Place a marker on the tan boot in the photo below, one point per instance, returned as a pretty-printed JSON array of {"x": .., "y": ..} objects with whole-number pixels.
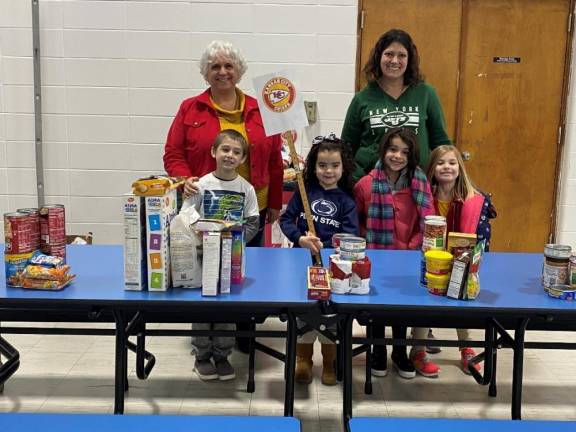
[
  {"x": 304, "y": 363},
  {"x": 328, "y": 360}
]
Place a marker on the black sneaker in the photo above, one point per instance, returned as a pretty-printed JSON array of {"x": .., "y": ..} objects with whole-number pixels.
[
  {"x": 225, "y": 370},
  {"x": 205, "y": 370},
  {"x": 403, "y": 365},
  {"x": 379, "y": 366},
  {"x": 432, "y": 349}
]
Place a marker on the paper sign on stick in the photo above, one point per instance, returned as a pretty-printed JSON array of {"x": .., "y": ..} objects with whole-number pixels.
[{"x": 281, "y": 105}]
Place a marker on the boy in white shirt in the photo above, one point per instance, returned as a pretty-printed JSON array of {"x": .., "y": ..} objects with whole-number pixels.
[{"x": 225, "y": 195}]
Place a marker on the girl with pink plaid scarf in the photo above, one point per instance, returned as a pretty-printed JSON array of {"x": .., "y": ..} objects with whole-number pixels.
[{"x": 393, "y": 200}]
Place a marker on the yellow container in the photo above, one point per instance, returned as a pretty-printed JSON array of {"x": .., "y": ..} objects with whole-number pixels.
[
  {"x": 438, "y": 262},
  {"x": 437, "y": 284}
]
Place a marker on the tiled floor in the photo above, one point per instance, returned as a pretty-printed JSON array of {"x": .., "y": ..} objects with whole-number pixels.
[{"x": 75, "y": 374}]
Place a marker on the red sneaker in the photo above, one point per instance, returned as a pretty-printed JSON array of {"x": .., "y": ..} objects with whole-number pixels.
[
  {"x": 467, "y": 354},
  {"x": 423, "y": 365}
]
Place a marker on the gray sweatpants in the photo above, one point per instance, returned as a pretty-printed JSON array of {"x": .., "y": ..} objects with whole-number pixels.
[{"x": 218, "y": 347}]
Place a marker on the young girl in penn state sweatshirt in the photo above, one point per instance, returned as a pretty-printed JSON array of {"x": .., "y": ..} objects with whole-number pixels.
[{"x": 327, "y": 176}]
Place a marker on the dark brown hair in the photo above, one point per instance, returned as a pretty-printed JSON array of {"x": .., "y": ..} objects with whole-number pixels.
[
  {"x": 330, "y": 143},
  {"x": 409, "y": 138},
  {"x": 372, "y": 69}
]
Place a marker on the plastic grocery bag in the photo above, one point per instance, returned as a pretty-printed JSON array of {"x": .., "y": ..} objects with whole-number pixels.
[{"x": 185, "y": 250}]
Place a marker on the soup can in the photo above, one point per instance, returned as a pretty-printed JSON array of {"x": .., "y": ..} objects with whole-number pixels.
[
  {"x": 352, "y": 248},
  {"x": 34, "y": 219},
  {"x": 423, "y": 281},
  {"x": 434, "y": 237},
  {"x": 562, "y": 292},
  {"x": 52, "y": 226},
  {"x": 57, "y": 251},
  {"x": 17, "y": 233},
  {"x": 337, "y": 239}
]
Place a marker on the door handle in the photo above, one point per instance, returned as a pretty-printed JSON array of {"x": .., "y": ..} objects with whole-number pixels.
[{"x": 466, "y": 155}]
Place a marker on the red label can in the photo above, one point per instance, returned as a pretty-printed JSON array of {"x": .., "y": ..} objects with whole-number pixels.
[
  {"x": 17, "y": 233},
  {"x": 34, "y": 220},
  {"x": 52, "y": 226},
  {"x": 56, "y": 250}
]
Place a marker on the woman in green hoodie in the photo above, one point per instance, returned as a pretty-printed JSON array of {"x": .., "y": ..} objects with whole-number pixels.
[{"x": 395, "y": 96}]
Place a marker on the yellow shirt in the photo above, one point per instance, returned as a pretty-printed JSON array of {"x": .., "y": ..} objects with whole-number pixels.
[
  {"x": 443, "y": 207},
  {"x": 232, "y": 119}
]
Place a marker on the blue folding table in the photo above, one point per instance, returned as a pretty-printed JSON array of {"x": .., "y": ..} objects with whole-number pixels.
[
  {"x": 373, "y": 424},
  {"x": 275, "y": 285},
  {"x": 145, "y": 423},
  {"x": 511, "y": 297}
]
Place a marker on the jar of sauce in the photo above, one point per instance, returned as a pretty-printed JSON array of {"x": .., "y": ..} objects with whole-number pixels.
[{"x": 556, "y": 269}]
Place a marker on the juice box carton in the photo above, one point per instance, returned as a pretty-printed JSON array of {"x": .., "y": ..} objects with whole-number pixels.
[{"x": 238, "y": 257}]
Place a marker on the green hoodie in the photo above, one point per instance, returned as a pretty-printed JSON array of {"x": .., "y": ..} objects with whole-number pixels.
[{"x": 373, "y": 112}]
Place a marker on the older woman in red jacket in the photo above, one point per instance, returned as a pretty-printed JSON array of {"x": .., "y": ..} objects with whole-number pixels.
[{"x": 224, "y": 106}]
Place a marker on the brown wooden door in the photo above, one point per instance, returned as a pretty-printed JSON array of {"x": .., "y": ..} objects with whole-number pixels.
[
  {"x": 435, "y": 29},
  {"x": 504, "y": 115},
  {"x": 510, "y": 112}
]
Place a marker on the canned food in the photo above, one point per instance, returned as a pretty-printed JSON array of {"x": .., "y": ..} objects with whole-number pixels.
[
  {"x": 52, "y": 226},
  {"x": 352, "y": 248},
  {"x": 34, "y": 220},
  {"x": 437, "y": 283},
  {"x": 562, "y": 292},
  {"x": 434, "y": 237},
  {"x": 557, "y": 251},
  {"x": 17, "y": 233},
  {"x": 15, "y": 265},
  {"x": 556, "y": 268},
  {"x": 423, "y": 270},
  {"x": 337, "y": 239},
  {"x": 57, "y": 251},
  {"x": 438, "y": 262}
]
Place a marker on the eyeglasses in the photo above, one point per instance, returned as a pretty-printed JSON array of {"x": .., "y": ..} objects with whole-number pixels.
[{"x": 330, "y": 138}]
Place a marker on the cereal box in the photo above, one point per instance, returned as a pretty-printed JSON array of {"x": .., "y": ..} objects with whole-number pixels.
[
  {"x": 160, "y": 210},
  {"x": 135, "y": 260},
  {"x": 211, "y": 263}
]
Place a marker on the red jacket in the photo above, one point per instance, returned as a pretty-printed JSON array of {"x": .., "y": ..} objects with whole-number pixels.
[
  {"x": 187, "y": 150},
  {"x": 407, "y": 234},
  {"x": 463, "y": 216}
]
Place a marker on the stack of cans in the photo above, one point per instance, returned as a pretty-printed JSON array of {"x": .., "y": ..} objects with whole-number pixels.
[
  {"x": 28, "y": 230},
  {"x": 53, "y": 230},
  {"x": 434, "y": 238},
  {"x": 18, "y": 245}
]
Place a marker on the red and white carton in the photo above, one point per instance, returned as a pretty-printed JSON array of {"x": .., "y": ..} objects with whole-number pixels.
[{"x": 350, "y": 277}]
